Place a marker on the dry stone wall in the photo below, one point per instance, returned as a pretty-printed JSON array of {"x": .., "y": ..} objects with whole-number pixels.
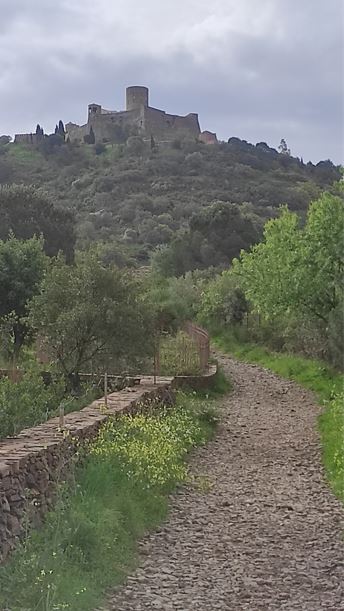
[
  {"x": 35, "y": 462},
  {"x": 38, "y": 459}
]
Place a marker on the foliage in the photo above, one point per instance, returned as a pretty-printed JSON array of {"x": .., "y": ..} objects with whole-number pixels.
[
  {"x": 22, "y": 267},
  {"x": 283, "y": 148},
  {"x": 149, "y": 450},
  {"x": 27, "y": 402},
  {"x": 179, "y": 355},
  {"x": 28, "y": 212},
  {"x": 135, "y": 145},
  {"x": 335, "y": 332},
  {"x": 298, "y": 271},
  {"x": 90, "y": 138},
  {"x": 217, "y": 234},
  {"x": 223, "y": 301},
  {"x": 332, "y": 431},
  {"x": 143, "y": 184},
  {"x": 175, "y": 300},
  {"x": 313, "y": 374},
  {"x": 88, "y": 543},
  {"x": 90, "y": 313}
]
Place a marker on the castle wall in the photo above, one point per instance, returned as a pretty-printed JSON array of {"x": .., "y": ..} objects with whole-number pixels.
[
  {"x": 105, "y": 126},
  {"x": 75, "y": 133},
  {"x": 146, "y": 120},
  {"x": 208, "y": 137},
  {"x": 159, "y": 124},
  {"x": 27, "y": 138}
]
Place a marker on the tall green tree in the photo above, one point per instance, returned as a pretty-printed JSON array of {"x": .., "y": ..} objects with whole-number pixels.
[
  {"x": 223, "y": 301},
  {"x": 90, "y": 312},
  {"x": 298, "y": 270},
  {"x": 26, "y": 212},
  {"x": 217, "y": 234},
  {"x": 22, "y": 268}
]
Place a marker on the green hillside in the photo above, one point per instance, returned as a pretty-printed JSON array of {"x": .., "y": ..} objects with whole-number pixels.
[{"x": 137, "y": 197}]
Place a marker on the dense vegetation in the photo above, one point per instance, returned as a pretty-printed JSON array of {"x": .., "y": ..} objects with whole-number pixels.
[
  {"x": 120, "y": 490},
  {"x": 76, "y": 280},
  {"x": 137, "y": 198}
]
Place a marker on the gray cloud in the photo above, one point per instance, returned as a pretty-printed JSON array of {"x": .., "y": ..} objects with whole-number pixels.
[{"x": 258, "y": 70}]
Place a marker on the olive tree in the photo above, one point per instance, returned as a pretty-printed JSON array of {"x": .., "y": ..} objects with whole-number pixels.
[{"x": 90, "y": 312}]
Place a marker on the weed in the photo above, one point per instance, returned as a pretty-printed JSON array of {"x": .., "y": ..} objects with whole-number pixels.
[{"x": 119, "y": 492}]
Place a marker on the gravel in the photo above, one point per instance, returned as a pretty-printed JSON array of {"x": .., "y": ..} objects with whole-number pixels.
[{"x": 262, "y": 530}]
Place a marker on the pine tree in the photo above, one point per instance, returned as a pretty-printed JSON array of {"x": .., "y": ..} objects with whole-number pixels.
[
  {"x": 92, "y": 137},
  {"x": 283, "y": 148},
  {"x": 61, "y": 128}
]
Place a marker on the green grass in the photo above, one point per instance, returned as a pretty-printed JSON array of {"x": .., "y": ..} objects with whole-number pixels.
[
  {"x": 325, "y": 382},
  {"x": 179, "y": 355},
  {"x": 220, "y": 386},
  {"x": 25, "y": 153},
  {"x": 89, "y": 541}
]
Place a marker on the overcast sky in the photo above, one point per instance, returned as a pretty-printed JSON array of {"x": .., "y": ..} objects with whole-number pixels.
[{"x": 256, "y": 69}]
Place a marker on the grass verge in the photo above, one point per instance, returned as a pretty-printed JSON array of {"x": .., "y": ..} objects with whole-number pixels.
[
  {"x": 88, "y": 543},
  {"x": 317, "y": 376}
]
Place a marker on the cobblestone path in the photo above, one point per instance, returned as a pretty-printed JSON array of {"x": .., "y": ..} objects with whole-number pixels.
[{"x": 268, "y": 534}]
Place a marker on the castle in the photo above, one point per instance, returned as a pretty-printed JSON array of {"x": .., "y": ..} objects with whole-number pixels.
[{"x": 138, "y": 118}]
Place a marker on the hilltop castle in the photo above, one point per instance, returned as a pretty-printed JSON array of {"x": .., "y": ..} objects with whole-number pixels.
[{"x": 138, "y": 118}]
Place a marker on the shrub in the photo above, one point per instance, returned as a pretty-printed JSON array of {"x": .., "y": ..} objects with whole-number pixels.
[
  {"x": 179, "y": 355},
  {"x": 150, "y": 449},
  {"x": 27, "y": 402}
]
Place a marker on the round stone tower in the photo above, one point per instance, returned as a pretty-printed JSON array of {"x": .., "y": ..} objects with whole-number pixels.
[{"x": 136, "y": 97}]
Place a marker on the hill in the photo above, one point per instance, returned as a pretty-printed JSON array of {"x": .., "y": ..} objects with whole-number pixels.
[{"x": 138, "y": 197}]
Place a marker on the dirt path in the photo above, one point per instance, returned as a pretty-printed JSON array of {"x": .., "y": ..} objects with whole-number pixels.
[{"x": 268, "y": 534}]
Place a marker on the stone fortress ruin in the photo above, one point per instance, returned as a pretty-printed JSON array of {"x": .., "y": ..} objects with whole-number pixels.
[
  {"x": 110, "y": 126},
  {"x": 138, "y": 118}
]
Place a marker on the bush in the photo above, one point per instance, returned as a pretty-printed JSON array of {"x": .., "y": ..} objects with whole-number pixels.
[
  {"x": 27, "y": 402},
  {"x": 223, "y": 301},
  {"x": 179, "y": 356}
]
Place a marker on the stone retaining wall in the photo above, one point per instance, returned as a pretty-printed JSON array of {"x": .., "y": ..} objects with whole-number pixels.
[
  {"x": 34, "y": 462},
  {"x": 39, "y": 458}
]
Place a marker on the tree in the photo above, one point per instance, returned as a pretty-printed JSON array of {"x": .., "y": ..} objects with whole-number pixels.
[
  {"x": 283, "y": 148},
  {"x": 39, "y": 131},
  {"x": 61, "y": 128},
  {"x": 298, "y": 271},
  {"x": 217, "y": 234},
  {"x": 174, "y": 300},
  {"x": 135, "y": 145},
  {"x": 90, "y": 312},
  {"x": 223, "y": 301},
  {"x": 92, "y": 136},
  {"x": 26, "y": 212},
  {"x": 22, "y": 267}
]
